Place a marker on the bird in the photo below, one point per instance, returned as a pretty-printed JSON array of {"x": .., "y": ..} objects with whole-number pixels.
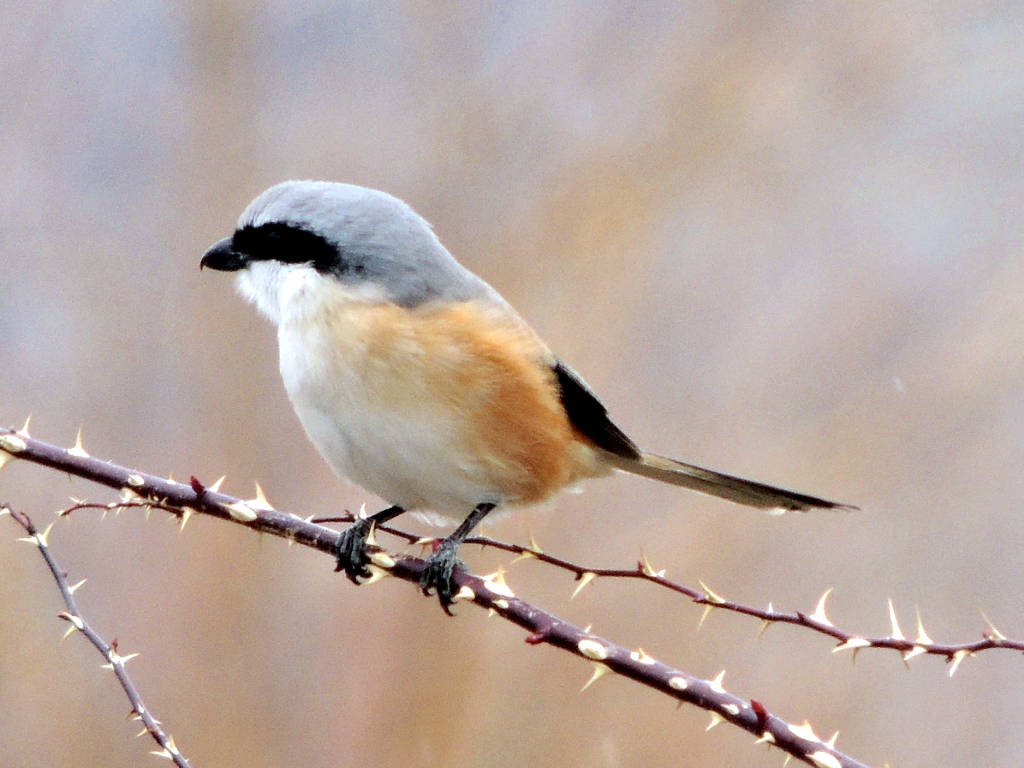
[{"x": 418, "y": 381}]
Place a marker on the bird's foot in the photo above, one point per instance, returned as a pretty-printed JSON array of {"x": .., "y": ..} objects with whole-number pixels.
[
  {"x": 437, "y": 573},
  {"x": 351, "y": 550}
]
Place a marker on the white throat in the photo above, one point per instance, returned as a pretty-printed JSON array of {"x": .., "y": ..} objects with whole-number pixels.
[
  {"x": 263, "y": 283},
  {"x": 285, "y": 292}
]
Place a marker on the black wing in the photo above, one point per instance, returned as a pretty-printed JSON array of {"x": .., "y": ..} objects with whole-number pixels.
[{"x": 589, "y": 416}]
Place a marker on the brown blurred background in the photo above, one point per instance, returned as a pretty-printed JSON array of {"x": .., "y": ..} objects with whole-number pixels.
[{"x": 781, "y": 239}]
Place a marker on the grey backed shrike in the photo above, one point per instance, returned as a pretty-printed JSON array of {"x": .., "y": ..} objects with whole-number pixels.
[{"x": 416, "y": 380}]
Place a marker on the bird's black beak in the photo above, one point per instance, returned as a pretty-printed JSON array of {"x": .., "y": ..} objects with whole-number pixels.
[{"x": 223, "y": 256}]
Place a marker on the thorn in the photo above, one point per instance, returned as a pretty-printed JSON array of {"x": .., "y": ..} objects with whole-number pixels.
[
  {"x": 819, "y": 614},
  {"x": 957, "y": 657},
  {"x": 804, "y": 731},
  {"x": 585, "y": 578},
  {"x": 715, "y": 720},
  {"x": 716, "y": 684},
  {"x": 831, "y": 743},
  {"x": 376, "y": 574},
  {"x": 24, "y": 430},
  {"x": 136, "y": 480},
  {"x": 127, "y": 496},
  {"x": 495, "y": 584},
  {"x": 710, "y": 596},
  {"x": 897, "y": 633},
  {"x": 765, "y": 623},
  {"x": 77, "y": 449},
  {"x": 115, "y": 658},
  {"x": 186, "y": 515},
  {"x": 41, "y": 538},
  {"x": 853, "y": 643},
  {"x": 524, "y": 555},
  {"x": 922, "y": 636},
  {"x": 917, "y": 650},
  {"x": 382, "y": 559},
  {"x": 992, "y": 633},
  {"x": 74, "y": 587},
  {"x": 464, "y": 593},
  {"x": 704, "y": 614},
  {"x": 785, "y": 762},
  {"x": 216, "y": 486},
  {"x": 75, "y": 621},
  {"x": 600, "y": 670},
  {"x": 648, "y": 569},
  {"x": 260, "y": 502},
  {"x": 534, "y": 545}
]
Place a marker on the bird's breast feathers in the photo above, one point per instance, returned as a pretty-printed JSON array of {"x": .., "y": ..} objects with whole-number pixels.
[{"x": 438, "y": 407}]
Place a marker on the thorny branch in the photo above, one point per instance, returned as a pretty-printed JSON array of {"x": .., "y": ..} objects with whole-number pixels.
[
  {"x": 139, "y": 489},
  {"x": 816, "y": 621},
  {"x": 115, "y": 661}
]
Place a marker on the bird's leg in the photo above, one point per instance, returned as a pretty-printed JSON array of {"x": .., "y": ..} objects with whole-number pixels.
[
  {"x": 437, "y": 572},
  {"x": 351, "y": 549}
]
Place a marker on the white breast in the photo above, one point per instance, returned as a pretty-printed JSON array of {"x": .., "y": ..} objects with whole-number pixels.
[{"x": 368, "y": 416}]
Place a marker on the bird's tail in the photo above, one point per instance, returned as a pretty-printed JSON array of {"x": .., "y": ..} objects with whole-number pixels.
[{"x": 708, "y": 481}]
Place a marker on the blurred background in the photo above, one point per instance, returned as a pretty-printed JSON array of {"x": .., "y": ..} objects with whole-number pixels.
[{"x": 780, "y": 239}]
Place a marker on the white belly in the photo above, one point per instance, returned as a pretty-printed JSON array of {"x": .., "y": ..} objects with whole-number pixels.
[{"x": 375, "y": 423}]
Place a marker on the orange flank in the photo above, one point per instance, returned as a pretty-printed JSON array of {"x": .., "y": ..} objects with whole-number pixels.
[{"x": 491, "y": 375}]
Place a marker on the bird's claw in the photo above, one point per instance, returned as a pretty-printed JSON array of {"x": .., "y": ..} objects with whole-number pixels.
[
  {"x": 351, "y": 550},
  {"x": 437, "y": 574}
]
